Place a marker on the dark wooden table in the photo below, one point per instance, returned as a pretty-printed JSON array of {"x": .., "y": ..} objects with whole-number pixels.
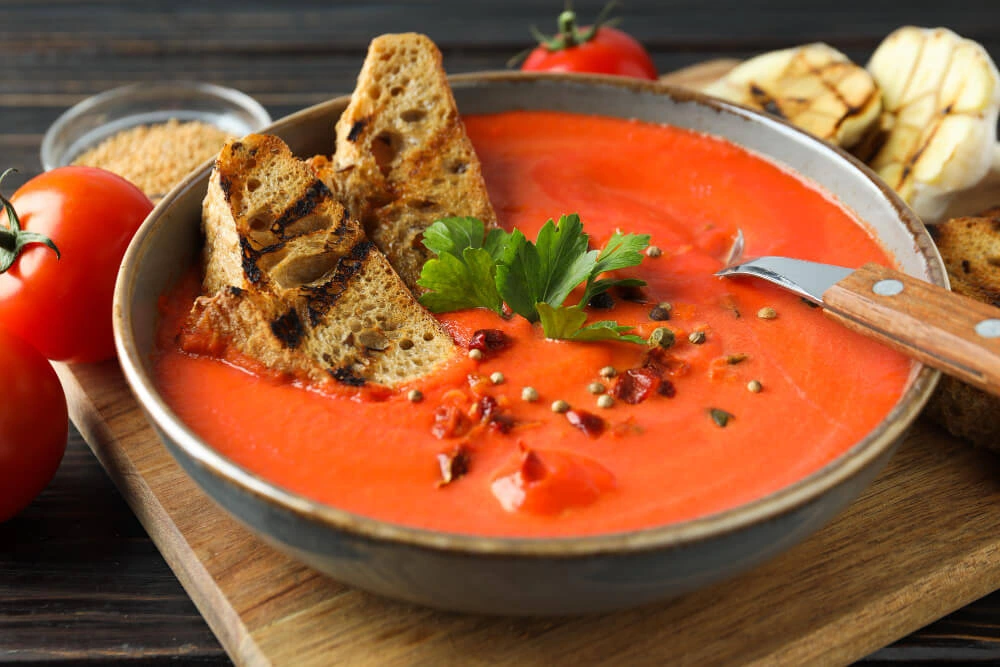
[{"x": 80, "y": 582}]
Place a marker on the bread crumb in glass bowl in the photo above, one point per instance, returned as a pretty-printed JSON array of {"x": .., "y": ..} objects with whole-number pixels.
[
  {"x": 156, "y": 157},
  {"x": 153, "y": 134}
]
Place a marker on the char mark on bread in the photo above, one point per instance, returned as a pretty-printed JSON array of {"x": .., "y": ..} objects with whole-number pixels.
[
  {"x": 288, "y": 329},
  {"x": 292, "y": 282}
]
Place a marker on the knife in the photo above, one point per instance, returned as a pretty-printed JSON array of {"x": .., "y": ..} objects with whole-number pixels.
[{"x": 953, "y": 333}]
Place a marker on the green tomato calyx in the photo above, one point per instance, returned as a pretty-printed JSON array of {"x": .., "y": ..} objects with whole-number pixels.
[
  {"x": 13, "y": 239},
  {"x": 570, "y": 34}
]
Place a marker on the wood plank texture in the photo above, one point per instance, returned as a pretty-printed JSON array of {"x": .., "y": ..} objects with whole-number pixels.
[
  {"x": 79, "y": 579},
  {"x": 80, "y": 583},
  {"x": 921, "y": 542}
]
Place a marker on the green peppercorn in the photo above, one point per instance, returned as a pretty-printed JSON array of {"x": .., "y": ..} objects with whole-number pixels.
[
  {"x": 660, "y": 312},
  {"x": 661, "y": 337}
]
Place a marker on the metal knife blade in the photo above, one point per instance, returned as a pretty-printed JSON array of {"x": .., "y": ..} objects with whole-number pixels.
[{"x": 807, "y": 279}]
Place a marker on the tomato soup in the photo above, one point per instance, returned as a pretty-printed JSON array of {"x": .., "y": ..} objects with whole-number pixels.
[{"x": 747, "y": 400}]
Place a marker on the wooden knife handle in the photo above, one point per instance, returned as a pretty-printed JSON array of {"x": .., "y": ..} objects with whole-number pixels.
[{"x": 955, "y": 334}]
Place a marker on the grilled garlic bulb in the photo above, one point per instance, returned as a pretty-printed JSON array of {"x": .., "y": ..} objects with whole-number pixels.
[
  {"x": 940, "y": 96},
  {"x": 815, "y": 87}
]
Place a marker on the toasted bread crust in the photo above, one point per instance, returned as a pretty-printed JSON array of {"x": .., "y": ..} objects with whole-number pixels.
[
  {"x": 402, "y": 155},
  {"x": 292, "y": 282},
  {"x": 970, "y": 248}
]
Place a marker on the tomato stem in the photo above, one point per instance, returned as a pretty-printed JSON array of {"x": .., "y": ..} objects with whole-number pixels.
[
  {"x": 567, "y": 28},
  {"x": 570, "y": 34},
  {"x": 13, "y": 239}
]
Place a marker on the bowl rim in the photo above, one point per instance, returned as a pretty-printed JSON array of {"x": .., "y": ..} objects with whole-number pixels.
[
  {"x": 237, "y": 98},
  {"x": 761, "y": 510}
]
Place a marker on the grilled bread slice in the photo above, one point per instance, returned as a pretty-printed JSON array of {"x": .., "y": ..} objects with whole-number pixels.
[
  {"x": 402, "y": 154},
  {"x": 970, "y": 247},
  {"x": 292, "y": 282}
]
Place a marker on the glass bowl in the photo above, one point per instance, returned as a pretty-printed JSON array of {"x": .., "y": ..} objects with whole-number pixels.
[{"x": 96, "y": 118}]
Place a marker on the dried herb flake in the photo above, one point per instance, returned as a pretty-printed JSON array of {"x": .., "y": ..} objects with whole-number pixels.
[{"x": 720, "y": 417}]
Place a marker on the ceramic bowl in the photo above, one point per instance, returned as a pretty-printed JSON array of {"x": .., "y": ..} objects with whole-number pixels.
[{"x": 547, "y": 575}]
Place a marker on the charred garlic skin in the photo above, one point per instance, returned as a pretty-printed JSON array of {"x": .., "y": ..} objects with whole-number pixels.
[
  {"x": 814, "y": 87},
  {"x": 937, "y": 130}
]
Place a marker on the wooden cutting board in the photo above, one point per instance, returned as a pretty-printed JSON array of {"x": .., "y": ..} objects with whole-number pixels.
[{"x": 922, "y": 541}]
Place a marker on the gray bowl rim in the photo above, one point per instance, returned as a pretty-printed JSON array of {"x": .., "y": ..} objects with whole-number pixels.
[
  {"x": 767, "y": 508},
  {"x": 236, "y": 97}
]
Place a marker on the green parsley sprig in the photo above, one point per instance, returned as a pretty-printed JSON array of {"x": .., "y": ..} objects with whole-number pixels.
[{"x": 473, "y": 269}]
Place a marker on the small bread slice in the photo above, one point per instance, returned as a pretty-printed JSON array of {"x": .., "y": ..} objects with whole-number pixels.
[
  {"x": 402, "y": 153},
  {"x": 970, "y": 247},
  {"x": 293, "y": 283}
]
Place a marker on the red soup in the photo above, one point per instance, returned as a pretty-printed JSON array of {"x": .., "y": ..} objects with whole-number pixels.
[{"x": 683, "y": 439}]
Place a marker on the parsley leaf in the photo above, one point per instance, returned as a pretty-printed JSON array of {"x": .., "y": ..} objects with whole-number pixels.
[
  {"x": 620, "y": 252},
  {"x": 454, "y": 235},
  {"x": 463, "y": 275},
  {"x": 565, "y": 261},
  {"x": 516, "y": 272},
  {"x": 566, "y": 322},
  {"x": 474, "y": 268},
  {"x": 547, "y": 270},
  {"x": 558, "y": 261}
]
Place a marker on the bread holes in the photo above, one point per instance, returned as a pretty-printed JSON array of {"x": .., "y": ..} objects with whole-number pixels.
[
  {"x": 260, "y": 223},
  {"x": 259, "y": 229},
  {"x": 421, "y": 204},
  {"x": 396, "y": 91},
  {"x": 385, "y": 149},
  {"x": 252, "y": 184},
  {"x": 374, "y": 92},
  {"x": 373, "y": 339},
  {"x": 296, "y": 271},
  {"x": 305, "y": 225},
  {"x": 458, "y": 167},
  {"x": 413, "y": 115},
  {"x": 428, "y": 336}
]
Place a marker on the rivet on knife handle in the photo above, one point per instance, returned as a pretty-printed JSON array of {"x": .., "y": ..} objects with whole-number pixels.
[{"x": 956, "y": 334}]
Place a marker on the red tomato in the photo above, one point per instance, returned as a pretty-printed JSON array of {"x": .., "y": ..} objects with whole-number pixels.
[
  {"x": 33, "y": 424},
  {"x": 598, "y": 49},
  {"x": 62, "y": 305}
]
